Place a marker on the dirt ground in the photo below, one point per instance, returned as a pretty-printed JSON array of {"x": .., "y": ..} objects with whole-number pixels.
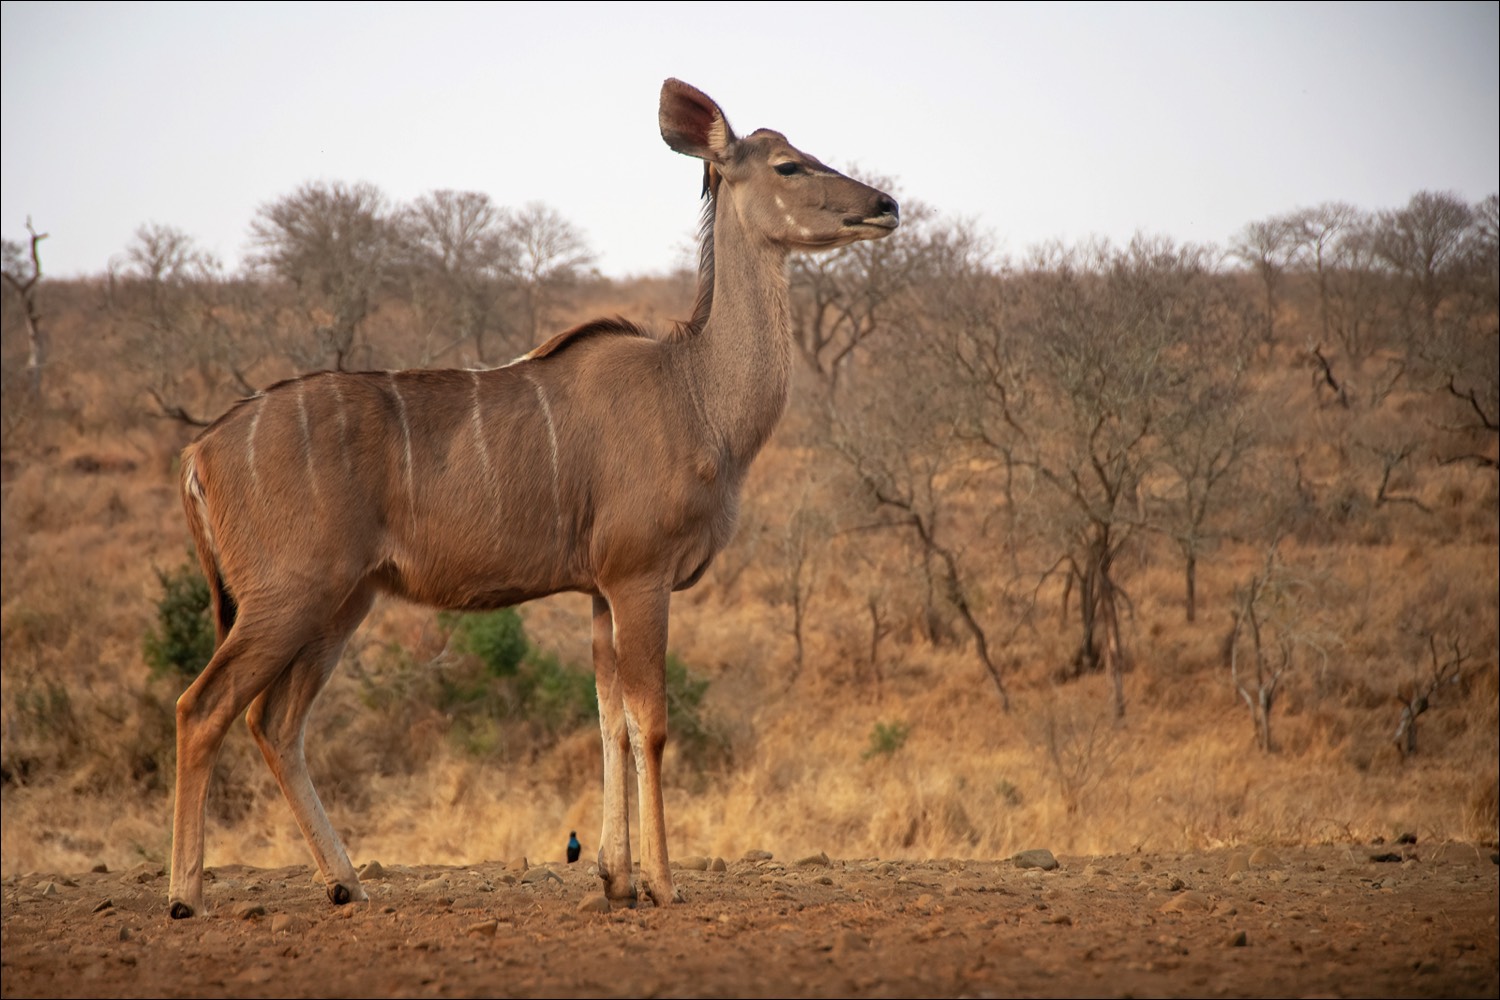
[{"x": 1289, "y": 922}]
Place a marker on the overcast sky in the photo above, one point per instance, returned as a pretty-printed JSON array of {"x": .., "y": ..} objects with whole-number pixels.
[{"x": 1035, "y": 122}]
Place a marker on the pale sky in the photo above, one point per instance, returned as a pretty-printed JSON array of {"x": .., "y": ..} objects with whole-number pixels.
[{"x": 1035, "y": 122}]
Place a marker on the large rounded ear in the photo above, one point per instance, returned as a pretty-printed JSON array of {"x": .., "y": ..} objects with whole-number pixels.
[{"x": 692, "y": 123}]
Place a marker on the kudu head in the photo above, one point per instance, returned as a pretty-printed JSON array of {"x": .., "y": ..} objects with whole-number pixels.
[{"x": 778, "y": 192}]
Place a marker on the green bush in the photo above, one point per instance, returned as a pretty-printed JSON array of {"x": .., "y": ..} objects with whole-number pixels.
[
  {"x": 886, "y": 739},
  {"x": 701, "y": 742},
  {"x": 497, "y": 637},
  {"x": 182, "y": 641}
]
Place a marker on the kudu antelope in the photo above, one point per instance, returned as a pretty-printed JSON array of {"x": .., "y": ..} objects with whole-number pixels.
[{"x": 607, "y": 461}]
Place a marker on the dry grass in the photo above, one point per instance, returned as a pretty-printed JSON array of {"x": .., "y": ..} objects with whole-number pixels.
[{"x": 90, "y": 512}]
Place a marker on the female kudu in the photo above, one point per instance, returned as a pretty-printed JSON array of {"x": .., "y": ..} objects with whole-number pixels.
[{"x": 607, "y": 461}]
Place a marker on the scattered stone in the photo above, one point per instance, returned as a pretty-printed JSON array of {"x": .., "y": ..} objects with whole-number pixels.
[
  {"x": 285, "y": 923},
  {"x": 1264, "y": 857},
  {"x": 372, "y": 871},
  {"x": 1061, "y": 919},
  {"x": 249, "y": 911},
  {"x": 1237, "y": 863},
  {"x": 691, "y": 864},
  {"x": 50, "y": 890},
  {"x": 1139, "y": 865},
  {"x": 1187, "y": 902},
  {"x": 100, "y": 869},
  {"x": 814, "y": 860},
  {"x": 756, "y": 856},
  {"x": 540, "y": 873},
  {"x": 1237, "y": 940},
  {"x": 1386, "y": 858},
  {"x": 103, "y": 905},
  {"x": 1036, "y": 858},
  {"x": 594, "y": 902},
  {"x": 718, "y": 866},
  {"x": 484, "y": 928}
]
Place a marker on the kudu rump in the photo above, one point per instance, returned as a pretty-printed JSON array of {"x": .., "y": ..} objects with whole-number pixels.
[{"x": 608, "y": 461}]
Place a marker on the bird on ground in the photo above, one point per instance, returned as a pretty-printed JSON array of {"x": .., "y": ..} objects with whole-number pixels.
[{"x": 574, "y": 847}]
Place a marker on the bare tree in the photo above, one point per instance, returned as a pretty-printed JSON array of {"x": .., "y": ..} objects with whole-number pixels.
[
  {"x": 1318, "y": 232},
  {"x": 552, "y": 255},
  {"x": 333, "y": 242},
  {"x": 168, "y": 297},
  {"x": 1269, "y": 247},
  {"x": 1094, "y": 360},
  {"x": 21, "y": 271},
  {"x": 462, "y": 259},
  {"x": 1425, "y": 243},
  {"x": 898, "y": 437},
  {"x": 1276, "y": 626},
  {"x": 1444, "y": 668}
]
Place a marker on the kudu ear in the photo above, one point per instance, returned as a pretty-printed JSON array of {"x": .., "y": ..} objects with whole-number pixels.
[{"x": 692, "y": 123}]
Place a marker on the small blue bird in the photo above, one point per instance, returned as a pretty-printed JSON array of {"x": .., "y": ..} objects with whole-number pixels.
[{"x": 574, "y": 847}]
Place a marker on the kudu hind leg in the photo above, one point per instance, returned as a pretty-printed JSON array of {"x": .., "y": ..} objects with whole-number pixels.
[
  {"x": 278, "y": 721},
  {"x": 248, "y": 659}
]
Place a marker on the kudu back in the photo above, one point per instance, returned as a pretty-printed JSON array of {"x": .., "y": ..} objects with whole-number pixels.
[{"x": 608, "y": 462}]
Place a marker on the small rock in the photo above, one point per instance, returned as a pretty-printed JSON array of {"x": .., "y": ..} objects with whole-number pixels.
[
  {"x": 249, "y": 911},
  {"x": 1036, "y": 858},
  {"x": 594, "y": 902},
  {"x": 484, "y": 928},
  {"x": 1264, "y": 857},
  {"x": 100, "y": 869},
  {"x": 1237, "y": 940},
  {"x": 1187, "y": 902},
  {"x": 372, "y": 871},
  {"x": 539, "y": 874},
  {"x": 50, "y": 890},
  {"x": 691, "y": 864},
  {"x": 285, "y": 923},
  {"x": 1237, "y": 863},
  {"x": 756, "y": 856},
  {"x": 1407, "y": 838},
  {"x": 718, "y": 866},
  {"x": 103, "y": 905},
  {"x": 1386, "y": 858},
  {"x": 814, "y": 860}
]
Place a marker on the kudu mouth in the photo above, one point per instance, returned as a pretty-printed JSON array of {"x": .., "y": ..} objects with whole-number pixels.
[{"x": 887, "y": 217}]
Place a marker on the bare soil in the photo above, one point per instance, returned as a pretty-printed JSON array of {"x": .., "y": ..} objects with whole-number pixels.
[{"x": 1319, "y": 921}]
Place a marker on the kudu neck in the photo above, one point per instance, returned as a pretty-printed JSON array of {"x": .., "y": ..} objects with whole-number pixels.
[{"x": 742, "y": 357}]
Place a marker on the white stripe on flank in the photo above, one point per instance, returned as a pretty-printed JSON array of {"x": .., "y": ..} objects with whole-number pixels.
[
  {"x": 480, "y": 443},
  {"x": 260, "y": 403},
  {"x": 338, "y": 397},
  {"x": 411, "y": 491},
  {"x": 541, "y": 397},
  {"x": 307, "y": 449}
]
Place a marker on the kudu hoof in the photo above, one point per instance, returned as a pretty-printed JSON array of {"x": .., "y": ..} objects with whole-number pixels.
[
  {"x": 340, "y": 894},
  {"x": 180, "y": 910}
]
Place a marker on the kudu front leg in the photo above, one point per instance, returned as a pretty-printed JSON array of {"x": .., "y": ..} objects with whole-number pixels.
[
  {"x": 614, "y": 837},
  {"x": 640, "y": 649}
]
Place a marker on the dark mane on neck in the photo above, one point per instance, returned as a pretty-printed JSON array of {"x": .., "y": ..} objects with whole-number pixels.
[{"x": 704, "y": 302}]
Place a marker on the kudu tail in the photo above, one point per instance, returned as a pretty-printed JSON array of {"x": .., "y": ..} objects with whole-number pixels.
[{"x": 195, "y": 504}]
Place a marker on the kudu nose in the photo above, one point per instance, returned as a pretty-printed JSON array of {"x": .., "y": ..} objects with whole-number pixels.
[{"x": 887, "y": 206}]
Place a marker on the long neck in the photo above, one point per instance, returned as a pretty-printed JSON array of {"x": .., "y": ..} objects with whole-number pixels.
[{"x": 740, "y": 360}]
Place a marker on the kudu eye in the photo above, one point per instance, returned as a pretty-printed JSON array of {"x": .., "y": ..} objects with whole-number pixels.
[{"x": 788, "y": 168}]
